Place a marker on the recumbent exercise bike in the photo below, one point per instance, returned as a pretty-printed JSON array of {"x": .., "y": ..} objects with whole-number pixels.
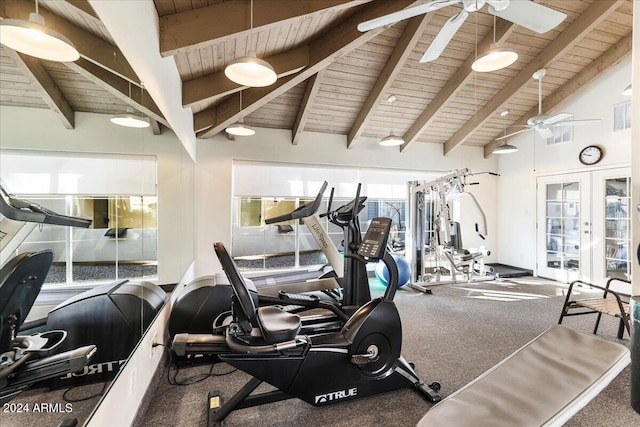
[{"x": 364, "y": 356}]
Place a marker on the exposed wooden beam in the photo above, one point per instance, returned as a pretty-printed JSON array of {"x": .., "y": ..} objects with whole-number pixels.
[
  {"x": 216, "y": 85},
  {"x": 583, "y": 24},
  {"x": 336, "y": 42},
  {"x": 90, "y": 46},
  {"x": 193, "y": 29},
  {"x": 47, "y": 88},
  {"x": 83, "y": 6},
  {"x": 461, "y": 77},
  {"x": 412, "y": 33},
  {"x": 594, "y": 70},
  {"x": 156, "y": 127},
  {"x": 140, "y": 99},
  {"x": 310, "y": 93}
]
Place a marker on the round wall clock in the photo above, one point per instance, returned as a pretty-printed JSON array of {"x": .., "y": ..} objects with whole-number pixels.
[{"x": 591, "y": 155}]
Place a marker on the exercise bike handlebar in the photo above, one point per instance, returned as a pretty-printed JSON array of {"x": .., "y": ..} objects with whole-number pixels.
[{"x": 303, "y": 211}]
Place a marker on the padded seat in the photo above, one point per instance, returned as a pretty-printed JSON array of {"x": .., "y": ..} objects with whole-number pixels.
[
  {"x": 277, "y": 325},
  {"x": 543, "y": 384}
]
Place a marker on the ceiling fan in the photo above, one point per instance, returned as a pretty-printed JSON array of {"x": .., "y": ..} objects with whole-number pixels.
[
  {"x": 541, "y": 122},
  {"x": 525, "y": 13}
]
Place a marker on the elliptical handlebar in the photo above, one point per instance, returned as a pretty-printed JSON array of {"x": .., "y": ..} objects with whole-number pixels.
[
  {"x": 303, "y": 211},
  {"x": 27, "y": 211}
]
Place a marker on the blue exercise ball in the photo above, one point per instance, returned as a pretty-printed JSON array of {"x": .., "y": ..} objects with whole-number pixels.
[{"x": 404, "y": 271}]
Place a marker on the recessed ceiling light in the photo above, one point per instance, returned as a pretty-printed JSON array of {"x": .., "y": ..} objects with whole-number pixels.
[{"x": 504, "y": 113}]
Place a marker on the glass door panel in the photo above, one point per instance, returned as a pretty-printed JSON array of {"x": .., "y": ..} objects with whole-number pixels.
[
  {"x": 562, "y": 243},
  {"x": 617, "y": 236}
]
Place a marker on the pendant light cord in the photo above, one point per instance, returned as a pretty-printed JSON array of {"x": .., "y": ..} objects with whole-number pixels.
[
  {"x": 494, "y": 29},
  {"x": 540, "y": 96}
]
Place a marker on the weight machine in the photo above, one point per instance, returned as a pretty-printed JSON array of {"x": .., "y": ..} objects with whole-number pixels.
[{"x": 434, "y": 242}]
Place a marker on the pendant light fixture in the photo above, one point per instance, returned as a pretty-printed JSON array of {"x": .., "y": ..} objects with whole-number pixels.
[
  {"x": 495, "y": 58},
  {"x": 34, "y": 38},
  {"x": 130, "y": 119},
  {"x": 391, "y": 140},
  {"x": 250, "y": 70},
  {"x": 239, "y": 128},
  {"x": 505, "y": 148},
  {"x": 627, "y": 91}
]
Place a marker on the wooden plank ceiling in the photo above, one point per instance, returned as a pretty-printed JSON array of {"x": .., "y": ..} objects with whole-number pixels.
[
  {"x": 332, "y": 78},
  {"x": 102, "y": 81},
  {"x": 441, "y": 102}
]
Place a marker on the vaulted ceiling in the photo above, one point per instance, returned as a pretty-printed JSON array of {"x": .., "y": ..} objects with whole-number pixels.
[{"x": 332, "y": 77}]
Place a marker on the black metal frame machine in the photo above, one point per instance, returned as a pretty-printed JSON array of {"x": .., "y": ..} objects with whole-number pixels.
[
  {"x": 364, "y": 357},
  {"x": 347, "y": 286}
]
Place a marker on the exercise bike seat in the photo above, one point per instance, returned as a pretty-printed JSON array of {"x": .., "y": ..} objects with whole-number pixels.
[{"x": 277, "y": 325}]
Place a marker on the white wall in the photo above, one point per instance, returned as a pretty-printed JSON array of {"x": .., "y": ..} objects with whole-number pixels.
[
  {"x": 216, "y": 155},
  {"x": 39, "y": 129},
  {"x": 519, "y": 171}
]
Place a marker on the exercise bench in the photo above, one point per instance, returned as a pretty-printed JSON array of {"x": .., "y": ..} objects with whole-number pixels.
[
  {"x": 611, "y": 303},
  {"x": 543, "y": 383}
]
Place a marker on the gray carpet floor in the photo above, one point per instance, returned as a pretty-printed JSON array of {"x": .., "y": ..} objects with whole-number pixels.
[{"x": 452, "y": 337}]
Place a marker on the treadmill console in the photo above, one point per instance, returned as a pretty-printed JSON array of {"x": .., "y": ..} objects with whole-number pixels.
[{"x": 374, "y": 243}]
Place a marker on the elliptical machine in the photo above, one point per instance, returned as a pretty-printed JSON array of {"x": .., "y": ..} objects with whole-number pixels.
[
  {"x": 347, "y": 286},
  {"x": 364, "y": 356}
]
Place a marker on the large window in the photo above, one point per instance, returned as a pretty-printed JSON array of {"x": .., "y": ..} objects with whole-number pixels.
[
  {"x": 263, "y": 190},
  {"x": 289, "y": 244},
  {"x": 622, "y": 116},
  {"x": 116, "y": 193},
  {"x": 563, "y": 132}
]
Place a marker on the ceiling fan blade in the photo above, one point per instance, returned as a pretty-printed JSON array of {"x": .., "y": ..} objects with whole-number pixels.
[
  {"x": 449, "y": 29},
  {"x": 560, "y": 117},
  {"x": 410, "y": 12},
  {"x": 512, "y": 134},
  {"x": 544, "y": 131},
  {"x": 528, "y": 14}
]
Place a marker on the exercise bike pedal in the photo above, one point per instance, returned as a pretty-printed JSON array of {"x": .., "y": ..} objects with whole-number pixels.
[{"x": 360, "y": 359}]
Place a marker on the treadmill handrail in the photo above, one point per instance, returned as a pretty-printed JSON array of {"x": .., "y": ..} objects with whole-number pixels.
[
  {"x": 303, "y": 211},
  {"x": 27, "y": 211}
]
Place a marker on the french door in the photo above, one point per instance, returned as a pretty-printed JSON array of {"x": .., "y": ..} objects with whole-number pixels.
[{"x": 584, "y": 226}]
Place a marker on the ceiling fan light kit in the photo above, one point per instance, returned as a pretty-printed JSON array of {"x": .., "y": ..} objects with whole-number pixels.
[
  {"x": 34, "y": 38},
  {"x": 540, "y": 123},
  {"x": 525, "y": 13}
]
